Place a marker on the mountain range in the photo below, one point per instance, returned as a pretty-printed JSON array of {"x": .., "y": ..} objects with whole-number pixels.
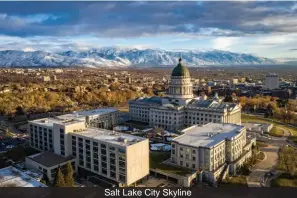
[{"x": 125, "y": 57}]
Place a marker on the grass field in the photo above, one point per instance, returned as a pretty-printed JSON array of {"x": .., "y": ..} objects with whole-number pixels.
[
  {"x": 261, "y": 144},
  {"x": 248, "y": 118},
  {"x": 236, "y": 181},
  {"x": 284, "y": 180},
  {"x": 277, "y": 132},
  {"x": 156, "y": 159}
]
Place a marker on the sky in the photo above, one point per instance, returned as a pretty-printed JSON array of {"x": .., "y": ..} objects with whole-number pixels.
[{"x": 267, "y": 29}]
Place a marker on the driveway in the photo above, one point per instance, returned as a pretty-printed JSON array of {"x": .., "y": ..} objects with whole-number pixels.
[{"x": 256, "y": 177}]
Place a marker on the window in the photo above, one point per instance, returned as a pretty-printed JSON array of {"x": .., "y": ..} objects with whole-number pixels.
[
  {"x": 181, "y": 163},
  {"x": 193, "y": 166},
  {"x": 111, "y": 148},
  {"x": 96, "y": 168},
  {"x": 104, "y": 171},
  {"x": 122, "y": 178},
  {"x": 113, "y": 174}
]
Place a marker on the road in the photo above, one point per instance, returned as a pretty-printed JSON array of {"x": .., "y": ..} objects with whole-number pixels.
[{"x": 257, "y": 176}]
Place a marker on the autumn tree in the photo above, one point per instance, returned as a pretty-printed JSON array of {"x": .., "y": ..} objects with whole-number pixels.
[
  {"x": 288, "y": 160},
  {"x": 69, "y": 181},
  {"x": 59, "y": 179}
]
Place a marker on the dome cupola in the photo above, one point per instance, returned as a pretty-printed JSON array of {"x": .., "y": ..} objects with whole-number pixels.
[
  {"x": 180, "y": 86},
  {"x": 180, "y": 70}
]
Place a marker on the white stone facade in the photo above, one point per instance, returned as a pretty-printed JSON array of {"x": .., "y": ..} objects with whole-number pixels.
[
  {"x": 180, "y": 109},
  {"x": 210, "y": 148}
]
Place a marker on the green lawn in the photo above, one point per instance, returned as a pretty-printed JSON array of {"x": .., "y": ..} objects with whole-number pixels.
[
  {"x": 261, "y": 144},
  {"x": 237, "y": 181},
  {"x": 156, "y": 159},
  {"x": 284, "y": 180},
  {"x": 277, "y": 132},
  {"x": 248, "y": 118}
]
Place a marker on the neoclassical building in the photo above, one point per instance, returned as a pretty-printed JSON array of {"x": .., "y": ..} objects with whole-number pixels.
[{"x": 180, "y": 109}]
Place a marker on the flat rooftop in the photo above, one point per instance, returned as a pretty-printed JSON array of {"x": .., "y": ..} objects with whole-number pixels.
[
  {"x": 73, "y": 117},
  {"x": 49, "y": 159},
  {"x": 12, "y": 177},
  {"x": 208, "y": 135},
  {"x": 49, "y": 122},
  {"x": 109, "y": 136},
  {"x": 93, "y": 112}
]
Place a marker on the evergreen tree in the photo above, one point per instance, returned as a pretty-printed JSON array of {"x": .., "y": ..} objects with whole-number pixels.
[
  {"x": 228, "y": 98},
  {"x": 59, "y": 179},
  {"x": 69, "y": 181}
]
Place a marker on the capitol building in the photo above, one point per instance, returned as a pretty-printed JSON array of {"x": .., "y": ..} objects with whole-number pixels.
[{"x": 180, "y": 109}]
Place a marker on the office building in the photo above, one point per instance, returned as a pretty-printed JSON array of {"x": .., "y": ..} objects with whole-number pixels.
[{"x": 271, "y": 81}]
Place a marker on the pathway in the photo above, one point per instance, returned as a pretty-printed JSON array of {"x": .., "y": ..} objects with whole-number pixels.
[{"x": 256, "y": 177}]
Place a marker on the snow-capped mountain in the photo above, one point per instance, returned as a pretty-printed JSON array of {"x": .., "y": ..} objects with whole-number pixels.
[{"x": 123, "y": 57}]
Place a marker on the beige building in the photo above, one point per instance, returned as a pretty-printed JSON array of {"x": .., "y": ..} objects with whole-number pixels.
[
  {"x": 119, "y": 157},
  {"x": 41, "y": 130},
  {"x": 212, "y": 148},
  {"x": 180, "y": 109},
  {"x": 116, "y": 156}
]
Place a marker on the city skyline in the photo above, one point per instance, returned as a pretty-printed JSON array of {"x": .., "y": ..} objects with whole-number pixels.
[{"x": 264, "y": 29}]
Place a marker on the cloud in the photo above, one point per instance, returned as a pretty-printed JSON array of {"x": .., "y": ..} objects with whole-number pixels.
[
  {"x": 133, "y": 19},
  {"x": 294, "y": 49},
  {"x": 224, "y": 43}
]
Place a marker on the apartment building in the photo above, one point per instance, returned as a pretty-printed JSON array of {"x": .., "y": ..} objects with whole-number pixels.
[{"x": 212, "y": 148}]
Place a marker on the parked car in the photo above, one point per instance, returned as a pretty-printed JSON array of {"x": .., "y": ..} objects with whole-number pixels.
[{"x": 9, "y": 146}]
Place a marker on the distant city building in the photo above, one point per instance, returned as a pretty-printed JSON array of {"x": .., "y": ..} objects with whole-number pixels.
[
  {"x": 129, "y": 80},
  {"x": 271, "y": 81},
  {"x": 212, "y": 148},
  {"x": 234, "y": 82},
  {"x": 46, "y": 78},
  {"x": 180, "y": 109}
]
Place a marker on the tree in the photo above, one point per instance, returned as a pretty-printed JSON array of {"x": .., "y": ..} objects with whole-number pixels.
[
  {"x": 69, "y": 181},
  {"x": 228, "y": 98},
  {"x": 288, "y": 160},
  {"x": 59, "y": 179}
]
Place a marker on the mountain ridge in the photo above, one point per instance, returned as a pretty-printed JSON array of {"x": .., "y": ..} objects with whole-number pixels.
[{"x": 126, "y": 57}]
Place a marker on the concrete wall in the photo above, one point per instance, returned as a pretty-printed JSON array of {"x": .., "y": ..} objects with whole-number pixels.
[{"x": 137, "y": 161}]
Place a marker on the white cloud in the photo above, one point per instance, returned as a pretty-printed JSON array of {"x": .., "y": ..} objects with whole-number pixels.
[
  {"x": 224, "y": 43},
  {"x": 28, "y": 49},
  {"x": 276, "y": 39}
]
